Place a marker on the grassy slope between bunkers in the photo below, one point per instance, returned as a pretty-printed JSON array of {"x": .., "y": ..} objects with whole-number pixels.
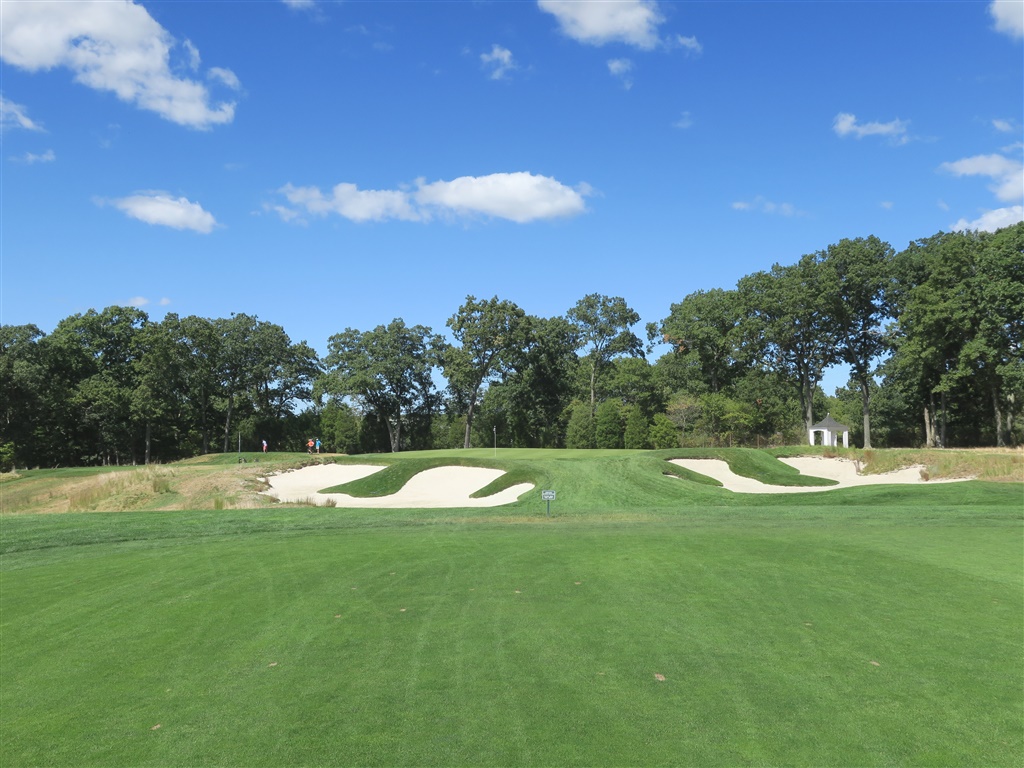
[{"x": 651, "y": 621}]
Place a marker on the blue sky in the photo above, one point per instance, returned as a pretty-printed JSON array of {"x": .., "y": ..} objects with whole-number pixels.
[{"x": 326, "y": 165}]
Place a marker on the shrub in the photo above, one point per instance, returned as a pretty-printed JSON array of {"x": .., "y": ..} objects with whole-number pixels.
[
  {"x": 580, "y": 432},
  {"x": 663, "y": 433},
  {"x": 637, "y": 428},
  {"x": 608, "y": 425}
]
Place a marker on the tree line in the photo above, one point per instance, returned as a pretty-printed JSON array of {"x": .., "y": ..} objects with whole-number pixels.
[{"x": 933, "y": 337}]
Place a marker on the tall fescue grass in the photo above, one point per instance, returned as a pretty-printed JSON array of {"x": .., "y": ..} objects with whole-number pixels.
[{"x": 995, "y": 464}]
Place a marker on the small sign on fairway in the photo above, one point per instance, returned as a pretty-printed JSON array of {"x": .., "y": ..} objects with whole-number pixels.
[{"x": 548, "y": 496}]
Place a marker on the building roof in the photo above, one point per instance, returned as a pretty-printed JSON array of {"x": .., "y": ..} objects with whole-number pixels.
[{"x": 831, "y": 425}]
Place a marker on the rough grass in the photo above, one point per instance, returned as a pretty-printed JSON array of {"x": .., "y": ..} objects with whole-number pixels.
[{"x": 995, "y": 464}]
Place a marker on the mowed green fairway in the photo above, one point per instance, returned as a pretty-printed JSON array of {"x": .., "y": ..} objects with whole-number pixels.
[{"x": 868, "y": 633}]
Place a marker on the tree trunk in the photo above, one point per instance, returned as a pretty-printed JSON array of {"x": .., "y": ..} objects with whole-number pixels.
[
  {"x": 227, "y": 422},
  {"x": 865, "y": 402},
  {"x": 1009, "y": 417},
  {"x": 998, "y": 413},
  {"x": 807, "y": 402},
  {"x": 942, "y": 423},
  {"x": 469, "y": 413},
  {"x": 395, "y": 433},
  {"x": 469, "y": 424},
  {"x": 149, "y": 440},
  {"x": 593, "y": 381},
  {"x": 929, "y": 423}
]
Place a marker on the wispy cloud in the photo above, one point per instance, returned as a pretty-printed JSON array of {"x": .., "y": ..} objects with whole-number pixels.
[
  {"x": 1008, "y": 16},
  {"x": 845, "y": 124},
  {"x": 685, "y": 121},
  {"x": 518, "y": 197},
  {"x": 690, "y": 44},
  {"x": 141, "y": 301},
  {"x": 117, "y": 47},
  {"x": 162, "y": 209},
  {"x": 30, "y": 158},
  {"x": 622, "y": 70},
  {"x": 16, "y": 116},
  {"x": 498, "y": 63},
  {"x": 762, "y": 205}
]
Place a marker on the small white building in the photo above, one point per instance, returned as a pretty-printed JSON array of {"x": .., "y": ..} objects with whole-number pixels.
[{"x": 830, "y": 430}]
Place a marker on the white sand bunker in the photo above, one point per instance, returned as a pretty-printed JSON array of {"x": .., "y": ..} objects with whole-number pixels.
[
  {"x": 843, "y": 471},
  {"x": 431, "y": 489}
]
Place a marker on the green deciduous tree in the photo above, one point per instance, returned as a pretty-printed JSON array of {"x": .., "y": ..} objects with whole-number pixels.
[
  {"x": 533, "y": 400},
  {"x": 704, "y": 330},
  {"x": 933, "y": 322},
  {"x": 602, "y": 326},
  {"x": 859, "y": 274},
  {"x": 23, "y": 376},
  {"x": 788, "y": 325},
  {"x": 388, "y": 370},
  {"x": 491, "y": 336}
]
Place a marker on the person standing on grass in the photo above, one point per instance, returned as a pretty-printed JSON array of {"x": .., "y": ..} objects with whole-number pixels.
[
  {"x": 264, "y": 446},
  {"x": 318, "y": 445},
  {"x": 309, "y": 446}
]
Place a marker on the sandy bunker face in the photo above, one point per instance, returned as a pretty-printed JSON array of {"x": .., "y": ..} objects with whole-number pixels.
[
  {"x": 843, "y": 471},
  {"x": 431, "y": 489}
]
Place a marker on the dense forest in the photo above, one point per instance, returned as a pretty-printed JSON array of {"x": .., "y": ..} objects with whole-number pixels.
[{"x": 933, "y": 337}]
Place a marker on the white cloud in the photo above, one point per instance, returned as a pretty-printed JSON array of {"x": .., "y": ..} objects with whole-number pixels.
[
  {"x": 498, "y": 62},
  {"x": 761, "y": 205},
  {"x": 192, "y": 53},
  {"x": 225, "y": 76},
  {"x": 622, "y": 69},
  {"x": 1003, "y": 126},
  {"x": 1008, "y": 16},
  {"x": 300, "y": 5},
  {"x": 519, "y": 197},
  {"x": 30, "y": 158},
  {"x": 160, "y": 208},
  {"x": 990, "y": 221},
  {"x": 141, "y": 301},
  {"x": 1007, "y": 174},
  {"x": 110, "y": 46},
  {"x": 886, "y": 204},
  {"x": 845, "y": 124},
  {"x": 685, "y": 121},
  {"x": 350, "y": 202},
  {"x": 691, "y": 44},
  {"x": 633, "y": 22},
  {"x": 15, "y": 116}
]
